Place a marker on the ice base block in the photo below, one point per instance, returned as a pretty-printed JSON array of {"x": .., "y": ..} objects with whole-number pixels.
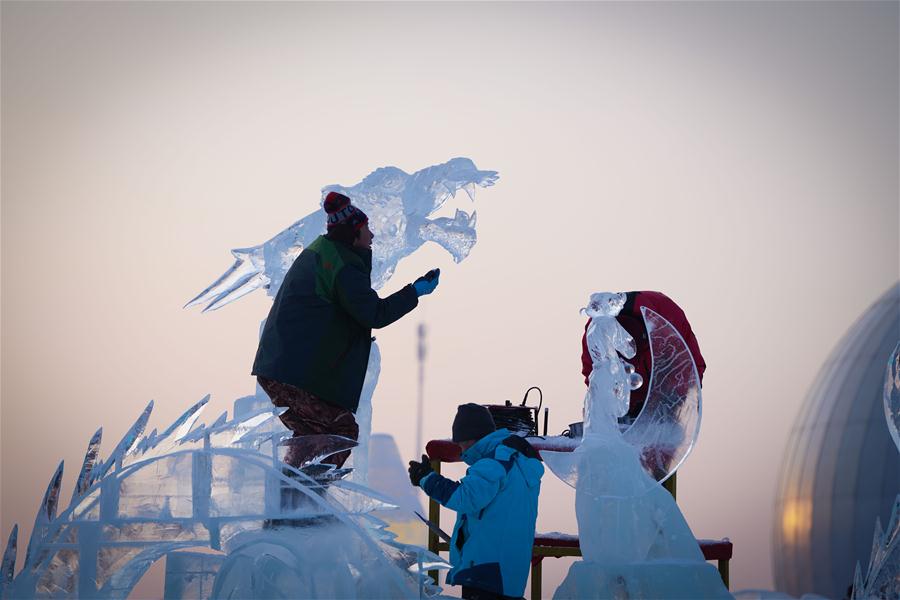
[{"x": 656, "y": 580}]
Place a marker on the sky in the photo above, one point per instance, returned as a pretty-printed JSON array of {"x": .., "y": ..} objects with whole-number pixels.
[{"x": 740, "y": 157}]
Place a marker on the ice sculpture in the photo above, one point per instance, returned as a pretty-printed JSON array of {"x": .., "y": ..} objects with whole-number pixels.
[
  {"x": 398, "y": 206},
  {"x": 882, "y": 579},
  {"x": 666, "y": 429},
  {"x": 634, "y": 541},
  {"x": 224, "y": 487}
]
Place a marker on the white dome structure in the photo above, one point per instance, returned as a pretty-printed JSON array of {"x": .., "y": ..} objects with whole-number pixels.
[{"x": 841, "y": 469}]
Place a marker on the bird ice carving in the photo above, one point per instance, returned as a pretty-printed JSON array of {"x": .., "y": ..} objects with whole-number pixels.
[{"x": 398, "y": 206}]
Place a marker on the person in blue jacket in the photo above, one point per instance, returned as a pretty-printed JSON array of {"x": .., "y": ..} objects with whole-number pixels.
[{"x": 496, "y": 505}]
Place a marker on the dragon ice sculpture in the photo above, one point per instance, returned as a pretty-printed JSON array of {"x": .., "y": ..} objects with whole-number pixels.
[
  {"x": 398, "y": 206},
  {"x": 219, "y": 486}
]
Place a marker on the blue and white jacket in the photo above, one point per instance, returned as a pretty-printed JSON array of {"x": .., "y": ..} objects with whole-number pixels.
[{"x": 496, "y": 504}]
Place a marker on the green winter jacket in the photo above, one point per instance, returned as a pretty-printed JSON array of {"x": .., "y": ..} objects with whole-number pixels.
[{"x": 319, "y": 331}]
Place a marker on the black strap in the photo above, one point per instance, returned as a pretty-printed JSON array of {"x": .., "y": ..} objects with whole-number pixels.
[{"x": 521, "y": 445}]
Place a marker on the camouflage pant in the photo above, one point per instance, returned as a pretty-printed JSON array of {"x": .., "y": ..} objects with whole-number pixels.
[{"x": 307, "y": 414}]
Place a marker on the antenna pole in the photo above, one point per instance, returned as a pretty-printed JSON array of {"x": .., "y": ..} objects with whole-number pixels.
[{"x": 420, "y": 408}]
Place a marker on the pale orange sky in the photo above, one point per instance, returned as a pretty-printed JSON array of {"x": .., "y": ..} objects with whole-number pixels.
[{"x": 742, "y": 158}]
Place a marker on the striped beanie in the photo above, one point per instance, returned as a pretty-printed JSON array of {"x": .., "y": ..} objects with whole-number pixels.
[{"x": 341, "y": 212}]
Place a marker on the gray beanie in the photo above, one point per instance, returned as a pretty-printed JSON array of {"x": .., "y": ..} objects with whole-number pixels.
[{"x": 472, "y": 422}]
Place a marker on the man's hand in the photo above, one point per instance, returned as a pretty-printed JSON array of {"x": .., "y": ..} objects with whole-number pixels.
[
  {"x": 418, "y": 470},
  {"x": 426, "y": 283}
]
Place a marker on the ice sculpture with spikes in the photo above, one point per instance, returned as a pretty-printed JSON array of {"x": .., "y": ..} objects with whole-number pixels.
[{"x": 222, "y": 486}]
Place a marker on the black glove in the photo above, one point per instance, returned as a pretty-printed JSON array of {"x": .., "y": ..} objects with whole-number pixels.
[{"x": 418, "y": 470}]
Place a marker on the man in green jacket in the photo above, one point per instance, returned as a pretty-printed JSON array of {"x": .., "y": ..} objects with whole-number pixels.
[{"x": 314, "y": 348}]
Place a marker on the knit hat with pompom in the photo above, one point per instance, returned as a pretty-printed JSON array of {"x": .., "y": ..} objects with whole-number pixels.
[{"x": 341, "y": 212}]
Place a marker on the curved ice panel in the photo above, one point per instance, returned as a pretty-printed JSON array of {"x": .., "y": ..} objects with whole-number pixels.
[{"x": 667, "y": 427}]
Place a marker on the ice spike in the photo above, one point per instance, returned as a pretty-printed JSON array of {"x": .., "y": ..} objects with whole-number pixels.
[
  {"x": 127, "y": 443},
  {"x": 8, "y": 566},
  {"x": 90, "y": 460},
  {"x": 46, "y": 513},
  {"x": 182, "y": 425}
]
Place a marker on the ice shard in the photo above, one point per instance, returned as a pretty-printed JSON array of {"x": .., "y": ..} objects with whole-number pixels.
[
  {"x": 128, "y": 442},
  {"x": 7, "y": 567},
  {"x": 45, "y": 515},
  {"x": 168, "y": 440},
  {"x": 83, "y": 482},
  {"x": 201, "y": 430},
  {"x": 183, "y": 424},
  {"x": 144, "y": 444}
]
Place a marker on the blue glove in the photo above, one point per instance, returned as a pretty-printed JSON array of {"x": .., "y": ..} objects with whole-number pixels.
[{"x": 426, "y": 283}]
